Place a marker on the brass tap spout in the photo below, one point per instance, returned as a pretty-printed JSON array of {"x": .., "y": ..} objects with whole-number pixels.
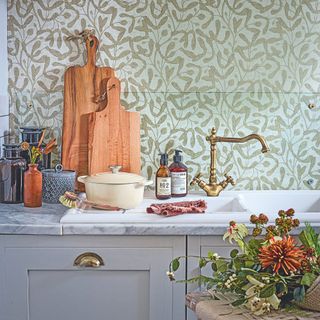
[
  {"x": 213, "y": 188},
  {"x": 252, "y": 136}
]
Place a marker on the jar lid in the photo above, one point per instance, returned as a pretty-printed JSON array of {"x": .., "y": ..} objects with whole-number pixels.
[
  {"x": 11, "y": 145},
  {"x": 115, "y": 177},
  {"x": 58, "y": 171},
  {"x": 31, "y": 129}
]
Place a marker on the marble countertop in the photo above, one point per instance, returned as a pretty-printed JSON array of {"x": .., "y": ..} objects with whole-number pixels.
[
  {"x": 17, "y": 219},
  {"x": 54, "y": 219}
]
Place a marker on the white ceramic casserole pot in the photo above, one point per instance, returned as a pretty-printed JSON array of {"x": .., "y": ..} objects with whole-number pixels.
[{"x": 117, "y": 189}]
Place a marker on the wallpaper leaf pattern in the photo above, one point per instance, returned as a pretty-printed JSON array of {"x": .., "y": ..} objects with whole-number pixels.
[{"x": 186, "y": 66}]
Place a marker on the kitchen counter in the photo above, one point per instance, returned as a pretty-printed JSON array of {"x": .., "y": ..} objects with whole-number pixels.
[
  {"x": 17, "y": 219},
  {"x": 232, "y": 205}
]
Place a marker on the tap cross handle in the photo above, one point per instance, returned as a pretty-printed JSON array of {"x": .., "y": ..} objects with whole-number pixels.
[
  {"x": 229, "y": 179},
  {"x": 195, "y": 180}
]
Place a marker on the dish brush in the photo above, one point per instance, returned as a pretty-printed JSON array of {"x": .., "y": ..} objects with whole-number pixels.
[
  {"x": 69, "y": 199},
  {"x": 72, "y": 200}
]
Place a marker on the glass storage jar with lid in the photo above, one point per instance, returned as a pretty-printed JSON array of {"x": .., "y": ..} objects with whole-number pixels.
[{"x": 12, "y": 167}]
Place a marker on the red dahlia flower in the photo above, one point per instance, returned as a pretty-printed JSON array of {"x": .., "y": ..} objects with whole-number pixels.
[{"x": 282, "y": 255}]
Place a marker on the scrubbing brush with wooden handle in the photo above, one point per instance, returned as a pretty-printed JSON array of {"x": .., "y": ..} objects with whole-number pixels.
[{"x": 72, "y": 200}]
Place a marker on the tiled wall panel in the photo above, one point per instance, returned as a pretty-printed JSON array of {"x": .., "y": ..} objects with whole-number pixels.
[{"x": 242, "y": 66}]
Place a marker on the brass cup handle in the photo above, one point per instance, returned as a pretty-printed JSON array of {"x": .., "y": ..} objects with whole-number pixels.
[
  {"x": 196, "y": 179},
  {"x": 229, "y": 179},
  {"x": 88, "y": 260}
]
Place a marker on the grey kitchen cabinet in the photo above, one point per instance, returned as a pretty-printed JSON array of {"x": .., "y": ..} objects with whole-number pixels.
[{"x": 38, "y": 278}]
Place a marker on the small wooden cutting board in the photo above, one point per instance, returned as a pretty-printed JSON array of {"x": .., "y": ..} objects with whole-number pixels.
[{"x": 114, "y": 134}]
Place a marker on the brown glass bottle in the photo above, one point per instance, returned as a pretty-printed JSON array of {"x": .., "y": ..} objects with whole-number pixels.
[
  {"x": 163, "y": 179},
  {"x": 179, "y": 176}
]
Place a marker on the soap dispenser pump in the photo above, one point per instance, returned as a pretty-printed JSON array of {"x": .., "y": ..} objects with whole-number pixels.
[
  {"x": 163, "y": 179},
  {"x": 179, "y": 176}
]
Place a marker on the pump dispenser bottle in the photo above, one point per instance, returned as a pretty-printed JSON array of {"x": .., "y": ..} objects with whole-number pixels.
[
  {"x": 179, "y": 176},
  {"x": 163, "y": 179}
]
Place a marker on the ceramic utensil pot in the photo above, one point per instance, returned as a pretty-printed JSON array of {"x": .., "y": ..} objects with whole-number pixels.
[
  {"x": 117, "y": 189},
  {"x": 32, "y": 196}
]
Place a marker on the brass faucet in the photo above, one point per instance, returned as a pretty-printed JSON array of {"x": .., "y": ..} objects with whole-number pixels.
[{"x": 213, "y": 188}]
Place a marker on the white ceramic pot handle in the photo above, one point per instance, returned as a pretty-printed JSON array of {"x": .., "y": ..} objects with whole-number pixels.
[
  {"x": 148, "y": 183},
  {"x": 144, "y": 183},
  {"x": 82, "y": 179}
]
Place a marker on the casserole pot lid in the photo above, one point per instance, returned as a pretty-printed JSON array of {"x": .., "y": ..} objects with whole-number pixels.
[{"x": 115, "y": 177}]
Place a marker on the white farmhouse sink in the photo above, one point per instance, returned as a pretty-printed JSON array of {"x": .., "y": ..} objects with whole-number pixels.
[
  {"x": 219, "y": 206},
  {"x": 270, "y": 202},
  {"x": 230, "y": 205},
  {"x": 306, "y": 204}
]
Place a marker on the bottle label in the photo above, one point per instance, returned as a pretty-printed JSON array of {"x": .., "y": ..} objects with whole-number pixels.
[
  {"x": 164, "y": 186},
  {"x": 179, "y": 182}
]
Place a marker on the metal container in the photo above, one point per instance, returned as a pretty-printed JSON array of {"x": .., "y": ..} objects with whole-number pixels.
[
  {"x": 31, "y": 134},
  {"x": 56, "y": 182},
  {"x": 12, "y": 167},
  {"x": 12, "y": 150}
]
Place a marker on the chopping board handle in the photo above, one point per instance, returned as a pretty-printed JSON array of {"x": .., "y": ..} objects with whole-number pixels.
[{"x": 92, "y": 45}]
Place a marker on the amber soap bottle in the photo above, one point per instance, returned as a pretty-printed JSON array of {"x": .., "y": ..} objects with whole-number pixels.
[
  {"x": 179, "y": 176},
  {"x": 163, "y": 179}
]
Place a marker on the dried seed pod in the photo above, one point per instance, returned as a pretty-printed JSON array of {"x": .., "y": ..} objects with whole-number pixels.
[
  {"x": 296, "y": 222},
  {"x": 290, "y": 212},
  {"x": 254, "y": 219},
  {"x": 263, "y": 219},
  {"x": 256, "y": 232}
]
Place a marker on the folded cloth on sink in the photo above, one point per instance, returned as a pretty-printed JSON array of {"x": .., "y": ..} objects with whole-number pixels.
[{"x": 176, "y": 208}]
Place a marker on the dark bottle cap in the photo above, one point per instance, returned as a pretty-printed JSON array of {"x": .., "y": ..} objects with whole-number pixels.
[
  {"x": 177, "y": 156},
  {"x": 163, "y": 159}
]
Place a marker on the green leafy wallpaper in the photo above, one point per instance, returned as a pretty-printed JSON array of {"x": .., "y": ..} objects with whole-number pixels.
[{"x": 186, "y": 66}]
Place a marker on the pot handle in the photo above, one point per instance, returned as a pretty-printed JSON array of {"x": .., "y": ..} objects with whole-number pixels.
[
  {"x": 143, "y": 184},
  {"x": 82, "y": 179},
  {"x": 148, "y": 183}
]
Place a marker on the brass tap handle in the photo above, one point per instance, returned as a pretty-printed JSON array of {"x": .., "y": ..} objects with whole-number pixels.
[
  {"x": 88, "y": 260},
  {"x": 229, "y": 179},
  {"x": 195, "y": 180}
]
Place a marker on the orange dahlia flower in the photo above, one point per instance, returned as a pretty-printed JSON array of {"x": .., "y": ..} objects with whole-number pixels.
[{"x": 282, "y": 255}]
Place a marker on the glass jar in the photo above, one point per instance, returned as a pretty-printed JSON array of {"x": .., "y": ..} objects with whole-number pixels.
[{"x": 12, "y": 167}]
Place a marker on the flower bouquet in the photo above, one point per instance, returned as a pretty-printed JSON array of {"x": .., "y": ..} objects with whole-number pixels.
[
  {"x": 270, "y": 270},
  {"x": 36, "y": 153}
]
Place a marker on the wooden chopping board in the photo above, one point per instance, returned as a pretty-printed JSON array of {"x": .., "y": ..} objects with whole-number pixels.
[
  {"x": 82, "y": 89},
  {"x": 114, "y": 134}
]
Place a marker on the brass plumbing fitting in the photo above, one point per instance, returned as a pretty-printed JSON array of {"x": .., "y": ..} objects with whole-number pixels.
[{"x": 213, "y": 188}]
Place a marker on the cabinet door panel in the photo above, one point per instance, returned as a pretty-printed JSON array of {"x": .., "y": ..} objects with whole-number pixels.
[
  {"x": 86, "y": 294},
  {"x": 42, "y": 283}
]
